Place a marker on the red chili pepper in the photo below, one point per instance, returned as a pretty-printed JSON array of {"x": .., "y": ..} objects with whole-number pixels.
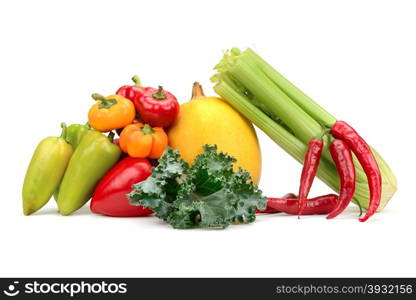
[
  {"x": 157, "y": 107},
  {"x": 318, "y": 205},
  {"x": 341, "y": 154},
  {"x": 310, "y": 166},
  {"x": 132, "y": 92},
  {"x": 271, "y": 210},
  {"x": 345, "y": 132},
  {"x": 109, "y": 197}
]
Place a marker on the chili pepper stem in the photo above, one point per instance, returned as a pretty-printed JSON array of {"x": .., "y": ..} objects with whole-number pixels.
[
  {"x": 159, "y": 95},
  {"x": 197, "y": 91},
  {"x": 136, "y": 80},
  {"x": 325, "y": 133}
]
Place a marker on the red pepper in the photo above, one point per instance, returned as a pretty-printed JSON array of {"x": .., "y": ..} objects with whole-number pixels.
[
  {"x": 345, "y": 132},
  {"x": 318, "y": 205},
  {"x": 271, "y": 210},
  {"x": 109, "y": 197},
  {"x": 341, "y": 154},
  {"x": 132, "y": 92},
  {"x": 310, "y": 166},
  {"x": 157, "y": 107}
]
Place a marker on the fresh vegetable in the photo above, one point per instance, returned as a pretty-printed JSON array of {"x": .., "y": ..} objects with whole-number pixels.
[
  {"x": 341, "y": 154},
  {"x": 132, "y": 92},
  {"x": 111, "y": 112},
  {"x": 290, "y": 196},
  {"x": 318, "y": 205},
  {"x": 345, "y": 132},
  {"x": 310, "y": 166},
  {"x": 75, "y": 133},
  {"x": 210, "y": 120},
  {"x": 207, "y": 194},
  {"x": 109, "y": 197},
  {"x": 73, "y": 136},
  {"x": 45, "y": 171},
  {"x": 94, "y": 156},
  {"x": 288, "y": 116},
  {"x": 138, "y": 140},
  {"x": 271, "y": 210},
  {"x": 157, "y": 107}
]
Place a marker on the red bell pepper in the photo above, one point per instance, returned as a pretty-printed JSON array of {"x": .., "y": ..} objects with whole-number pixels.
[
  {"x": 109, "y": 197},
  {"x": 157, "y": 107},
  {"x": 132, "y": 92}
]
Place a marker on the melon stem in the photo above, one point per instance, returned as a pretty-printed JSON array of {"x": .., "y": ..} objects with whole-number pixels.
[{"x": 197, "y": 91}]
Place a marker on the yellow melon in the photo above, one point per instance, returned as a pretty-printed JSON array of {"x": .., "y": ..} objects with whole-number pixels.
[{"x": 210, "y": 120}]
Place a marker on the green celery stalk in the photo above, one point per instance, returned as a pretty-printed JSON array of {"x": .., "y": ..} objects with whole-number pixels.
[
  {"x": 299, "y": 97},
  {"x": 287, "y": 115},
  {"x": 278, "y": 104},
  {"x": 251, "y": 73}
]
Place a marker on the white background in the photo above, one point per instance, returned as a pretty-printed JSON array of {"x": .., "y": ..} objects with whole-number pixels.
[{"x": 356, "y": 58}]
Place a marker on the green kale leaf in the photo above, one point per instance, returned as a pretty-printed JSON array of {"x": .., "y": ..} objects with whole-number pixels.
[{"x": 207, "y": 194}]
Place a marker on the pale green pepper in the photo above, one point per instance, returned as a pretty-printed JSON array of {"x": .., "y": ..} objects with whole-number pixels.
[
  {"x": 74, "y": 135},
  {"x": 93, "y": 157},
  {"x": 45, "y": 171}
]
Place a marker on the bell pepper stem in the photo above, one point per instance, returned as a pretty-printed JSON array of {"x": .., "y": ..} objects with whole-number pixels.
[
  {"x": 105, "y": 103},
  {"x": 136, "y": 80},
  {"x": 63, "y": 132},
  {"x": 159, "y": 95},
  {"x": 111, "y": 136},
  {"x": 146, "y": 129},
  {"x": 97, "y": 97}
]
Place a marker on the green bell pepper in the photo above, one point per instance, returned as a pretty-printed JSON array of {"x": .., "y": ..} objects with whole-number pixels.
[
  {"x": 45, "y": 171},
  {"x": 93, "y": 157}
]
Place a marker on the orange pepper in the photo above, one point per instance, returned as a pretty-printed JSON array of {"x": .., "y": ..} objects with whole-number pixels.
[
  {"x": 111, "y": 112},
  {"x": 138, "y": 140}
]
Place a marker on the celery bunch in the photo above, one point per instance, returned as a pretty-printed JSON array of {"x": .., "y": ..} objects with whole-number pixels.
[{"x": 288, "y": 116}]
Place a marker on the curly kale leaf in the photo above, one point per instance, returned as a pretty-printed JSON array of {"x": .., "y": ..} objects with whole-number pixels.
[{"x": 207, "y": 194}]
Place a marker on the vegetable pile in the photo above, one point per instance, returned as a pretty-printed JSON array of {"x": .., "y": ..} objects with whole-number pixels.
[
  {"x": 84, "y": 163},
  {"x": 197, "y": 165}
]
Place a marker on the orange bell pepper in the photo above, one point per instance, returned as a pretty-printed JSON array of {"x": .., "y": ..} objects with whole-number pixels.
[
  {"x": 138, "y": 140},
  {"x": 111, "y": 112}
]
